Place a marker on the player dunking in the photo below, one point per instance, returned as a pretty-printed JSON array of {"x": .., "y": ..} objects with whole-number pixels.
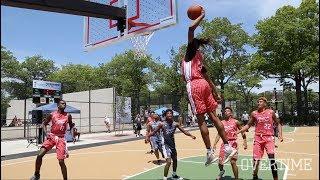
[
  {"x": 60, "y": 121},
  {"x": 168, "y": 128},
  {"x": 231, "y": 127},
  {"x": 263, "y": 118},
  {"x": 202, "y": 92}
]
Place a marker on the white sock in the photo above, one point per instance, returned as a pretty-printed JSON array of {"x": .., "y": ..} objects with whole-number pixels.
[
  {"x": 209, "y": 151},
  {"x": 164, "y": 178},
  {"x": 174, "y": 173}
]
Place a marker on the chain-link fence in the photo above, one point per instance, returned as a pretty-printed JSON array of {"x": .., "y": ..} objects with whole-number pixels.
[{"x": 94, "y": 106}]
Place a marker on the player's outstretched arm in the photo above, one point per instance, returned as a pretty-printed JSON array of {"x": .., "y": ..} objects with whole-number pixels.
[
  {"x": 213, "y": 87},
  {"x": 148, "y": 130},
  {"x": 185, "y": 132},
  {"x": 195, "y": 23},
  {"x": 70, "y": 121},
  {"x": 244, "y": 137},
  {"x": 247, "y": 126},
  {"x": 46, "y": 122},
  {"x": 152, "y": 133}
]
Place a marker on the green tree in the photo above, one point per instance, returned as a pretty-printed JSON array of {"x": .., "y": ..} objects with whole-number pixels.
[
  {"x": 76, "y": 77},
  {"x": 128, "y": 75},
  {"x": 18, "y": 76},
  {"x": 8, "y": 66},
  {"x": 241, "y": 87},
  {"x": 170, "y": 81},
  {"x": 288, "y": 45},
  {"x": 226, "y": 54}
]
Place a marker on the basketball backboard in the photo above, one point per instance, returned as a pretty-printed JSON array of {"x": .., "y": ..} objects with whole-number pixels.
[{"x": 142, "y": 16}]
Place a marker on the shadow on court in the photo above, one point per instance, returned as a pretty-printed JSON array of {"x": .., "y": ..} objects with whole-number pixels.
[{"x": 156, "y": 162}]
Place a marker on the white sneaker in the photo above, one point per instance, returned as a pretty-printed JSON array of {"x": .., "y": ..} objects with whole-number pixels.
[
  {"x": 221, "y": 174},
  {"x": 228, "y": 153},
  {"x": 211, "y": 158}
]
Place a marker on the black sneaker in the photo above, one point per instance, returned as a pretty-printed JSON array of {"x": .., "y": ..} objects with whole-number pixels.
[
  {"x": 176, "y": 177},
  {"x": 35, "y": 177},
  {"x": 255, "y": 177}
]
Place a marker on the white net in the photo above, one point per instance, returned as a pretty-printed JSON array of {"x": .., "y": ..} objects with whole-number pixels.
[{"x": 140, "y": 43}]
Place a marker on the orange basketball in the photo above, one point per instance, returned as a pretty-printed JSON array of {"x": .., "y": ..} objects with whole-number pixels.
[{"x": 194, "y": 12}]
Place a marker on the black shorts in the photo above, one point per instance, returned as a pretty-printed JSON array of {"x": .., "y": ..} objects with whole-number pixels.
[
  {"x": 139, "y": 127},
  {"x": 276, "y": 132}
]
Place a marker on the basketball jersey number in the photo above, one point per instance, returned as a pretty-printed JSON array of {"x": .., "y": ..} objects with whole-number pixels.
[
  {"x": 267, "y": 126},
  {"x": 61, "y": 128}
]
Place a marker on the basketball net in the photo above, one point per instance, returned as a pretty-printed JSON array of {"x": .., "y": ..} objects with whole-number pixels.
[{"x": 140, "y": 44}]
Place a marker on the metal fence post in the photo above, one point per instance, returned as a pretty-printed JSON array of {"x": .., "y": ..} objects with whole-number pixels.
[
  {"x": 89, "y": 110},
  {"x": 25, "y": 117}
]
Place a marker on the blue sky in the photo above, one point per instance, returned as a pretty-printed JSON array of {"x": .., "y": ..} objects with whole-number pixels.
[{"x": 60, "y": 37}]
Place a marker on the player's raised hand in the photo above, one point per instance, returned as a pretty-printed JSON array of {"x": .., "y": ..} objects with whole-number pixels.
[{"x": 203, "y": 12}]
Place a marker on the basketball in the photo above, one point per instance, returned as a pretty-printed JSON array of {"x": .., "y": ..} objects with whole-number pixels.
[{"x": 194, "y": 12}]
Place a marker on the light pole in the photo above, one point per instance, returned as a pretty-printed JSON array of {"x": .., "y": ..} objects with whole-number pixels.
[{"x": 275, "y": 97}]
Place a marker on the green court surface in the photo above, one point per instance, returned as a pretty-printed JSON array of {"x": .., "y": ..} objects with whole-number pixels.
[
  {"x": 288, "y": 129},
  {"x": 194, "y": 168}
]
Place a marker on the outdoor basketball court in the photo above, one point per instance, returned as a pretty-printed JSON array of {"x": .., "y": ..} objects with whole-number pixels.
[
  {"x": 110, "y": 21},
  {"x": 297, "y": 157}
]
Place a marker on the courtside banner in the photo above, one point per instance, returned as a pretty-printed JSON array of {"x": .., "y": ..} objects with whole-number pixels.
[{"x": 46, "y": 85}]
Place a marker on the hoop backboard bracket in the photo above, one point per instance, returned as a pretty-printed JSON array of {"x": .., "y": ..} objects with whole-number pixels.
[
  {"x": 142, "y": 17},
  {"x": 75, "y": 7}
]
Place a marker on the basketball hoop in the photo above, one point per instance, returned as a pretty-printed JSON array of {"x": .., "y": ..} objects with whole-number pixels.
[{"x": 140, "y": 44}]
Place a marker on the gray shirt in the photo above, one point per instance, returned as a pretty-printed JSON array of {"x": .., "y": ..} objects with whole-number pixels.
[{"x": 154, "y": 125}]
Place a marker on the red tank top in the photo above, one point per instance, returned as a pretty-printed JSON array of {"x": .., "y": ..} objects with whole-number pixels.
[
  {"x": 192, "y": 70},
  {"x": 230, "y": 126},
  {"x": 59, "y": 123},
  {"x": 263, "y": 122}
]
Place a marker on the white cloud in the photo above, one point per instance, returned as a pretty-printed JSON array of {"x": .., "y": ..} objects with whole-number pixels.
[
  {"x": 269, "y": 84},
  {"x": 257, "y": 8},
  {"x": 268, "y": 8}
]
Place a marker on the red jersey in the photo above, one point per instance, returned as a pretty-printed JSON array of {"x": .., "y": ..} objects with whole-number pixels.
[
  {"x": 230, "y": 126},
  {"x": 59, "y": 123},
  {"x": 150, "y": 119},
  {"x": 263, "y": 122},
  {"x": 192, "y": 70}
]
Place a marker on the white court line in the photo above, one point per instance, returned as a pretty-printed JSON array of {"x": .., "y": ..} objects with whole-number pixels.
[
  {"x": 156, "y": 167},
  {"x": 291, "y": 140},
  {"x": 301, "y": 133},
  {"x": 287, "y": 152},
  {"x": 305, "y": 140},
  {"x": 285, "y": 175},
  {"x": 53, "y": 155}
]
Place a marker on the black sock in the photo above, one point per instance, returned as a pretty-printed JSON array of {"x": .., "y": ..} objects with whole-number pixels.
[{"x": 273, "y": 165}]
